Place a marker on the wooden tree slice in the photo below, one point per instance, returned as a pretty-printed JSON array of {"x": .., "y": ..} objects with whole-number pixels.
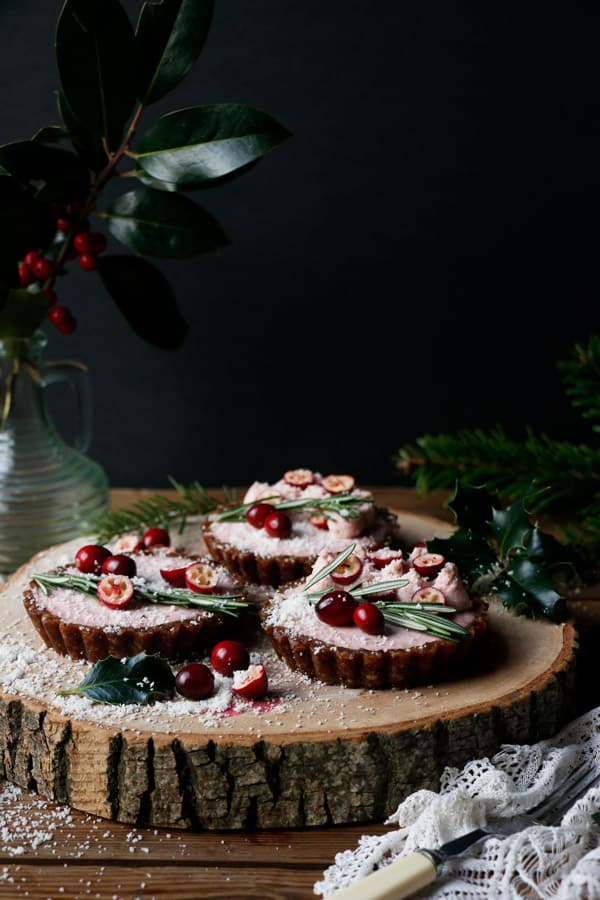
[{"x": 323, "y": 755}]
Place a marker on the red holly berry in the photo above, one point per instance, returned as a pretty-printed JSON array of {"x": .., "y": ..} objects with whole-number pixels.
[
  {"x": 88, "y": 262},
  {"x": 25, "y": 276},
  {"x": 63, "y": 319},
  {"x": 97, "y": 242},
  {"x": 43, "y": 268},
  {"x": 63, "y": 225},
  {"x": 31, "y": 257},
  {"x": 81, "y": 242}
]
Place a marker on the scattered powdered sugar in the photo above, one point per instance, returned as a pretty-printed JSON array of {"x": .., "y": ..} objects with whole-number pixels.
[{"x": 26, "y": 825}]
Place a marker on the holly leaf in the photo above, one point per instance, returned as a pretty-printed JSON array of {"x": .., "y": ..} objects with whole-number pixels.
[
  {"x": 88, "y": 146},
  {"x": 95, "y": 54},
  {"x": 163, "y": 224},
  {"x": 193, "y": 146},
  {"x": 471, "y": 506},
  {"x": 170, "y": 36},
  {"x": 49, "y": 172},
  {"x": 140, "y": 679},
  {"x": 468, "y": 550},
  {"x": 50, "y": 134},
  {"x": 512, "y": 526},
  {"x": 145, "y": 298},
  {"x": 527, "y": 587},
  {"x": 21, "y": 313}
]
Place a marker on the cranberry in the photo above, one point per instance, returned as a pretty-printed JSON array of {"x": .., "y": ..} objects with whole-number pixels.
[
  {"x": 383, "y": 557},
  {"x": 347, "y": 571},
  {"x": 154, "y": 537},
  {"x": 81, "y": 242},
  {"x": 128, "y": 543},
  {"x": 25, "y": 276},
  {"x": 97, "y": 242},
  {"x": 257, "y": 514},
  {"x": 115, "y": 591},
  {"x": 338, "y": 484},
  {"x": 429, "y": 595},
  {"x": 63, "y": 319},
  {"x": 429, "y": 564},
  {"x": 63, "y": 225},
  {"x": 43, "y": 268},
  {"x": 229, "y": 657},
  {"x": 88, "y": 262},
  {"x": 278, "y": 524},
  {"x": 319, "y": 521},
  {"x": 369, "y": 618},
  {"x": 251, "y": 684},
  {"x": 201, "y": 578},
  {"x": 175, "y": 577},
  {"x": 336, "y": 608},
  {"x": 90, "y": 558},
  {"x": 195, "y": 682},
  {"x": 119, "y": 565},
  {"x": 300, "y": 478},
  {"x": 30, "y": 258}
]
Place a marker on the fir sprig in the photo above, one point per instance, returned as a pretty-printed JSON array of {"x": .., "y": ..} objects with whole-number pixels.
[
  {"x": 581, "y": 377},
  {"x": 156, "y": 510},
  {"x": 230, "y": 604},
  {"x": 344, "y": 505}
]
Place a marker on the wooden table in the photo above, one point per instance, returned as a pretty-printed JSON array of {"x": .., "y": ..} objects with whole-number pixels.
[{"x": 91, "y": 858}]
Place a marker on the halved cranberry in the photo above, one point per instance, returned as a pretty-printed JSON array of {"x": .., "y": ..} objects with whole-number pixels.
[
  {"x": 429, "y": 564},
  {"x": 369, "y": 618},
  {"x": 257, "y": 514},
  {"x": 339, "y": 484},
  {"x": 429, "y": 594},
  {"x": 347, "y": 571},
  {"x": 251, "y": 684},
  {"x": 175, "y": 577},
  {"x": 155, "y": 537},
  {"x": 383, "y": 557},
  {"x": 300, "y": 478},
  {"x": 319, "y": 521},
  {"x": 119, "y": 564},
  {"x": 278, "y": 524},
  {"x": 128, "y": 543},
  {"x": 336, "y": 608},
  {"x": 90, "y": 558},
  {"x": 195, "y": 682},
  {"x": 201, "y": 578},
  {"x": 228, "y": 657},
  {"x": 115, "y": 591}
]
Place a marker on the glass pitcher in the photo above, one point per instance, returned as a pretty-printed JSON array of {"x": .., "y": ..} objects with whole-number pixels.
[{"x": 49, "y": 492}]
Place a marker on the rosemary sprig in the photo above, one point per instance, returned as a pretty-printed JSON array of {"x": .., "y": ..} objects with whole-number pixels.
[
  {"x": 330, "y": 567},
  {"x": 358, "y": 590},
  {"x": 156, "y": 510},
  {"x": 230, "y": 604},
  {"x": 344, "y": 505}
]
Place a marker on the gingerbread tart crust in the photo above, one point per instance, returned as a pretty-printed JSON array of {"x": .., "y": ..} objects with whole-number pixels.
[
  {"x": 374, "y": 669},
  {"x": 187, "y": 639},
  {"x": 268, "y": 570}
]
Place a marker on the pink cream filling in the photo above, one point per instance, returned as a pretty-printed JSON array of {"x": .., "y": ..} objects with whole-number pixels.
[{"x": 73, "y": 607}]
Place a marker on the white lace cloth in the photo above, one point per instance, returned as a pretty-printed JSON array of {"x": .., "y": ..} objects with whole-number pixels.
[{"x": 561, "y": 863}]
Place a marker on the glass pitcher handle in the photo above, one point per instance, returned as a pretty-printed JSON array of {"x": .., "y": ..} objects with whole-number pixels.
[{"x": 76, "y": 375}]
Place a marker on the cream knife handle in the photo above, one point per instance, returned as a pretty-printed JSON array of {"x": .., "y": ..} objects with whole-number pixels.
[{"x": 398, "y": 880}]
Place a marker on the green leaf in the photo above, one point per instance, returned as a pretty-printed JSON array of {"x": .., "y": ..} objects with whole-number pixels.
[
  {"x": 193, "y": 146},
  {"x": 536, "y": 585},
  {"x": 158, "y": 223},
  {"x": 468, "y": 550},
  {"x": 22, "y": 313},
  {"x": 512, "y": 525},
  {"x": 471, "y": 505},
  {"x": 140, "y": 679},
  {"x": 50, "y": 172},
  {"x": 145, "y": 298},
  {"x": 50, "y": 134},
  {"x": 170, "y": 37},
  {"x": 25, "y": 223},
  {"x": 88, "y": 146},
  {"x": 95, "y": 52}
]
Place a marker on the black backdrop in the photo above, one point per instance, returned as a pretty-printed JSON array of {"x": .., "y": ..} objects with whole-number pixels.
[{"x": 416, "y": 258}]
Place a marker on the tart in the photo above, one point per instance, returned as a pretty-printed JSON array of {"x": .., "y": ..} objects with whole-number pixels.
[
  {"x": 81, "y": 626},
  {"x": 396, "y": 656},
  {"x": 258, "y": 553}
]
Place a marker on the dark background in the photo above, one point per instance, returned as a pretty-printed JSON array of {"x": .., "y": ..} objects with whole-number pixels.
[{"x": 415, "y": 259}]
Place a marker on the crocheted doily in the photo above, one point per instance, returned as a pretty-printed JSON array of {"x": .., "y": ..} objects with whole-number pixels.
[{"x": 561, "y": 863}]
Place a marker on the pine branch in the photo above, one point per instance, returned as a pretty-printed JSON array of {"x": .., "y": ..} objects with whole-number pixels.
[
  {"x": 581, "y": 377},
  {"x": 156, "y": 510}
]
